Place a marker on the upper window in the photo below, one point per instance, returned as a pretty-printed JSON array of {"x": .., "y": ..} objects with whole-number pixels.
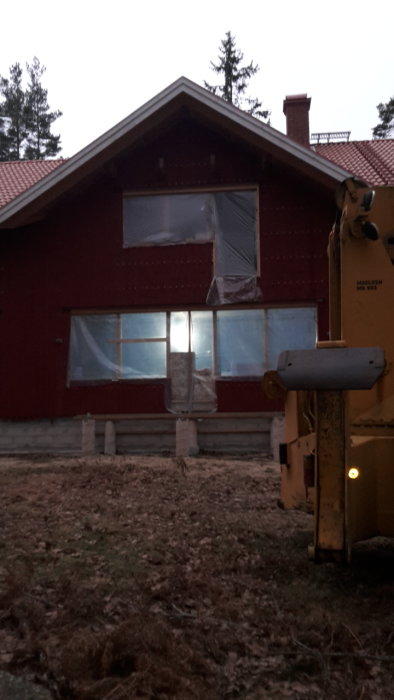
[
  {"x": 227, "y": 218},
  {"x": 167, "y": 219}
]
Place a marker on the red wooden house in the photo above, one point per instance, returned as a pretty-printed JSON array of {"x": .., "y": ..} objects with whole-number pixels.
[{"x": 155, "y": 276}]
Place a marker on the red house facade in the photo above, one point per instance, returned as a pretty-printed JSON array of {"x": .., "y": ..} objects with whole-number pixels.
[{"x": 155, "y": 276}]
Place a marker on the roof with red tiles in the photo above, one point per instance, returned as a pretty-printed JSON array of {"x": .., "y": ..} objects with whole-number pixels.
[
  {"x": 18, "y": 175},
  {"x": 372, "y": 161},
  {"x": 34, "y": 200}
]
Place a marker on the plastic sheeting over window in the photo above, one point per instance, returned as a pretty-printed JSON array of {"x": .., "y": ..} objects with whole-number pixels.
[
  {"x": 235, "y": 233},
  {"x": 118, "y": 346},
  {"x": 232, "y": 290},
  {"x": 294, "y": 327},
  {"x": 142, "y": 345},
  {"x": 168, "y": 219},
  {"x": 192, "y": 331},
  {"x": 240, "y": 343},
  {"x": 189, "y": 348},
  {"x": 191, "y": 362},
  {"x": 189, "y": 389},
  {"x": 226, "y": 218},
  {"x": 249, "y": 341},
  {"x": 92, "y": 355}
]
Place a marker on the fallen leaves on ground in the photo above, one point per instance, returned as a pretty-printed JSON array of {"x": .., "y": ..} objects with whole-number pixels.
[{"x": 130, "y": 577}]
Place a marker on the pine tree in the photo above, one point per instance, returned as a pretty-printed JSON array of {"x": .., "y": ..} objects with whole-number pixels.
[
  {"x": 25, "y": 119},
  {"x": 13, "y": 129},
  {"x": 386, "y": 116},
  {"x": 41, "y": 143},
  {"x": 236, "y": 78}
]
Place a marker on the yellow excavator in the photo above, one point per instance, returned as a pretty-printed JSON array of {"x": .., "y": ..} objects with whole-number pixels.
[{"x": 338, "y": 453}]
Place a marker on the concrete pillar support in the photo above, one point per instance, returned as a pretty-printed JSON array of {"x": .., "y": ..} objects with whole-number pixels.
[
  {"x": 88, "y": 446},
  {"x": 186, "y": 438},
  {"x": 110, "y": 438}
]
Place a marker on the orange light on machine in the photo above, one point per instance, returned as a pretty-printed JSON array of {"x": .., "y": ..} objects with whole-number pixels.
[{"x": 353, "y": 473}]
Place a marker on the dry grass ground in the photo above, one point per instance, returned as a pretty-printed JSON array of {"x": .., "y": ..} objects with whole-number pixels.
[{"x": 141, "y": 577}]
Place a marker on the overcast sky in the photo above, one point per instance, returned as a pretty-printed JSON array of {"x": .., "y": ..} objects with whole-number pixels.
[{"x": 104, "y": 59}]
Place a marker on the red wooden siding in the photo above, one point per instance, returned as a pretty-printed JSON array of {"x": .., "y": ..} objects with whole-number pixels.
[{"x": 74, "y": 260}]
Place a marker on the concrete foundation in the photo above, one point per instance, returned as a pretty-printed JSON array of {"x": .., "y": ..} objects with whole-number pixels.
[
  {"x": 60, "y": 436},
  {"x": 144, "y": 434}
]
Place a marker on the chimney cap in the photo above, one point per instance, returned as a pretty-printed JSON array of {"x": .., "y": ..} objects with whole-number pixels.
[{"x": 296, "y": 99}]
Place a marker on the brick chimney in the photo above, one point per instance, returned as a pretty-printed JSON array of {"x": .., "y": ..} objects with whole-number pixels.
[{"x": 296, "y": 109}]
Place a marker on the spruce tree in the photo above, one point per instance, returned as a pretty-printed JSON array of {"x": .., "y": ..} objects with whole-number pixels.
[
  {"x": 3, "y": 140},
  {"x": 386, "y": 116},
  {"x": 41, "y": 143},
  {"x": 13, "y": 130},
  {"x": 235, "y": 78}
]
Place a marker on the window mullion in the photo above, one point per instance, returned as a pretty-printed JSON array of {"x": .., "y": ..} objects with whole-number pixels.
[
  {"x": 266, "y": 339},
  {"x": 215, "y": 344},
  {"x": 118, "y": 346},
  {"x": 168, "y": 340}
]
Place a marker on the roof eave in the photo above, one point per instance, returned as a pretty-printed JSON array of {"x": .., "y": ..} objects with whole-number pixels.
[{"x": 85, "y": 160}]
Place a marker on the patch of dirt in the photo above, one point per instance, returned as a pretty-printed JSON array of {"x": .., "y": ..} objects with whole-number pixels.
[{"x": 157, "y": 578}]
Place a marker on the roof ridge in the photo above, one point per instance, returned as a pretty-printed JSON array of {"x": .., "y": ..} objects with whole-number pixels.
[
  {"x": 127, "y": 132},
  {"x": 374, "y": 159},
  {"x": 351, "y": 142}
]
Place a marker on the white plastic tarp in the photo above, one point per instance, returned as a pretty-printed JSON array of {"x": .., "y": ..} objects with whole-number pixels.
[
  {"x": 167, "y": 219},
  {"x": 232, "y": 290},
  {"x": 292, "y": 328},
  {"x": 92, "y": 354},
  {"x": 228, "y": 218},
  {"x": 191, "y": 363},
  {"x": 235, "y": 233},
  {"x": 240, "y": 340},
  {"x": 202, "y": 344},
  {"x": 117, "y": 346}
]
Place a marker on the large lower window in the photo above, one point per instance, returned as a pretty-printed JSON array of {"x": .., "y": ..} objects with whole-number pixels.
[
  {"x": 230, "y": 343},
  {"x": 118, "y": 346},
  {"x": 240, "y": 343},
  {"x": 192, "y": 331}
]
